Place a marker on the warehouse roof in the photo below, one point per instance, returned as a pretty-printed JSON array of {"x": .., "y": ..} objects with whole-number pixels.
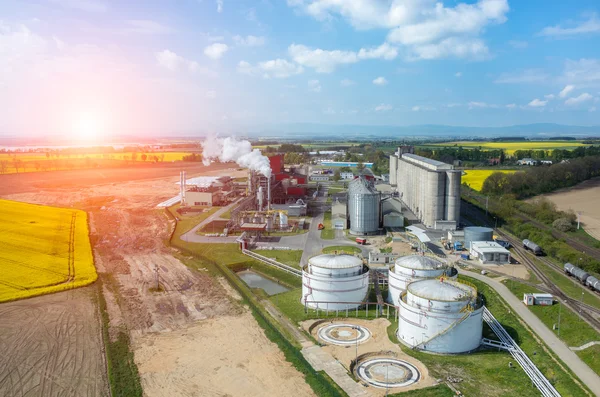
[
  {"x": 438, "y": 290},
  {"x": 329, "y": 261},
  {"x": 488, "y": 246},
  {"x": 201, "y": 181}
]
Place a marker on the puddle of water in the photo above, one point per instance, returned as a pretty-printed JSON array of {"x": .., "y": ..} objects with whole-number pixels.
[{"x": 255, "y": 280}]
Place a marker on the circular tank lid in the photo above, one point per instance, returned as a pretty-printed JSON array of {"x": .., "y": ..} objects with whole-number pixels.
[
  {"x": 330, "y": 261},
  {"x": 478, "y": 229},
  {"x": 419, "y": 262},
  {"x": 437, "y": 290}
]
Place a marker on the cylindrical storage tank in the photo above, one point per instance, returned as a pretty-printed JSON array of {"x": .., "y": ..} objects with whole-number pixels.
[
  {"x": 363, "y": 207},
  {"x": 393, "y": 169},
  {"x": 580, "y": 274},
  {"x": 411, "y": 268},
  {"x": 441, "y": 316},
  {"x": 533, "y": 247},
  {"x": 568, "y": 266},
  {"x": 334, "y": 282},
  {"x": 269, "y": 223},
  {"x": 477, "y": 233},
  {"x": 283, "y": 220},
  {"x": 453, "y": 195}
]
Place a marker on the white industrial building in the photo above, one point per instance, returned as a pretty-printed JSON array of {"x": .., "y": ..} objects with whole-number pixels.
[
  {"x": 334, "y": 282},
  {"x": 441, "y": 316},
  {"x": 538, "y": 299},
  {"x": 490, "y": 252},
  {"x": 346, "y": 175},
  {"x": 411, "y": 268},
  {"x": 429, "y": 188}
]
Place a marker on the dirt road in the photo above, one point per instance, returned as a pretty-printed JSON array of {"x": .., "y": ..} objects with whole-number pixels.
[{"x": 51, "y": 346}]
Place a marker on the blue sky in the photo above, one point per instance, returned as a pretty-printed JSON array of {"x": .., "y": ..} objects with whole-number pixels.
[{"x": 179, "y": 66}]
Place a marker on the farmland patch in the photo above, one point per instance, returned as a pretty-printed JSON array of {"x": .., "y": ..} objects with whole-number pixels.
[{"x": 475, "y": 178}]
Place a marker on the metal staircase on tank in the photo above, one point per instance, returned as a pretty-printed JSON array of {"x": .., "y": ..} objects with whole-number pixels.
[{"x": 467, "y": 313}]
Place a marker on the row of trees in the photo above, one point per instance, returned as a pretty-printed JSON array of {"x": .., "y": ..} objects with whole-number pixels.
[
  {"x": 540, "y": 180},
  {"x": 449, "y": 154}
]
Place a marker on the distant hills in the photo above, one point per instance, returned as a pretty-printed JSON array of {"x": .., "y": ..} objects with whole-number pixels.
[{"x": 325, "y": 131}]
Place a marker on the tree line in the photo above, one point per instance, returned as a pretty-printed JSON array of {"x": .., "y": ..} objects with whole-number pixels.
[{"x": 539, "y": 180}]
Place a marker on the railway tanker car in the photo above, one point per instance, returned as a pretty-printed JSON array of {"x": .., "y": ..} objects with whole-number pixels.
[
  {"x": 584, "y": 277},
  {"x": 533, "y": 247}
]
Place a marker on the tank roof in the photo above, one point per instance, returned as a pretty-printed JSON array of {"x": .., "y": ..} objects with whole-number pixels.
[
  {"x": 360, "y": 186},
  {"x": 478, "y": 229},
  {"x": 419, "y": 262},
  {"x": 438, "y": 290},
  {"x": 330, "y": 261}
]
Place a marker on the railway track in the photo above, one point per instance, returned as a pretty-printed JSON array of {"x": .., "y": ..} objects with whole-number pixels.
[{"x": 582, "y": 310}]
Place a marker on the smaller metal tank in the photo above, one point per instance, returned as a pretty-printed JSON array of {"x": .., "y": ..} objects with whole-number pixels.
[
  {"x": 576, "y": 272},
  {"x": 477, "y": 233}
]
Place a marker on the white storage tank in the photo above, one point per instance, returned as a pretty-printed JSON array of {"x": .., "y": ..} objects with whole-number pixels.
[
  {"x": 477, "y": 233},
  {"x": 410, "y": 268},
  {"x": 441, "y": 316},
  {"x": 334, "y": 282}
]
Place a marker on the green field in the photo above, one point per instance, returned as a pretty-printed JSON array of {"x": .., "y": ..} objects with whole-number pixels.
[
  {"x": 342, "y": 249},
  {"x": 511, "y": 147},
  {"x": 287, "y": 257},
  {"x": 475, "y": 178}
]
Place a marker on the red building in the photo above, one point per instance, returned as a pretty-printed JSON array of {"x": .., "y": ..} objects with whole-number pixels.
[{"x": 276, "y": 163}]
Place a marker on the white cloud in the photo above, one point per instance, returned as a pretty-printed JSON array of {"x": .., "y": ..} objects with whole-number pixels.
[
  {"x": 380, "y": 81},
  {"x": 219, "y": 6},
  {"x": 444, "y": 31},
  {"x": 347, "y": 83},
  {"x": 582, "y": 72},
  {"x": 146, "y": 26},
  {"x": 383, "y": 107},
  {"x": 249, "y": 41},
  {"x": 325, "y": 61},
  {"x": 314, "y": 85},
  {"x": 525, "y": 76},
  {"x": 565, "y": 91},
  {"x": 511, "y": 106},
  {"x": 384, "y": 51},
  {"x": 477, "y": 105},
  {"x": 592, "y": 109},
  {"x": 536, "y": 103},
  {"x": 421, "y": 108},
  {"x": 591, "y": 25},
  {"x": 518, "y": 44},
  {"x": 452, "y": 47},
  {"x": 215, "y": 51},
  {"x": 549, "y": 96},
  {"x": 453, "y": 105},
  {"x": 211, "y": 94},
  {"x": 579, "y": 99},
  {"x": 82, "y": 5},
  {"x": 170, "y": 60},
  {"x": 458, "y": 74},
  {"x": 277, "y": 68}
]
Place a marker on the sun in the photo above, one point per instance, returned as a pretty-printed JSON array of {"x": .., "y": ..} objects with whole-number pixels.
[{"x": 87, "y": 127}]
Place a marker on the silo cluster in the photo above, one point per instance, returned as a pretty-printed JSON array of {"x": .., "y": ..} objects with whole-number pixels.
[{"x": 334, "y": 282}]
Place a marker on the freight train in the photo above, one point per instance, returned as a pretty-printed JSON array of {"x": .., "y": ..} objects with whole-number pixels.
[
  {"x": 533, "y": 247},
  {"x": 584, "y": 277}
]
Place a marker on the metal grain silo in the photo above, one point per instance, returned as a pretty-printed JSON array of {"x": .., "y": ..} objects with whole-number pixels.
[
  {"x": 363, "y": 207},
  {"x": 477, "y": 233}
]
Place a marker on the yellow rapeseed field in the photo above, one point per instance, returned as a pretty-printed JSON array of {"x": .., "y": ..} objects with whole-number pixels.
[
  {"x": 42, "y": 250},
  {"x": 511, "y": 147},
  {"x": 475, "y": 178}
]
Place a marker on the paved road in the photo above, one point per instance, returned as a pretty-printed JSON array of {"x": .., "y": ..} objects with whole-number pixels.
[
  {"x": 585, "y": 374},
  {"x": 192, "y": 237}
]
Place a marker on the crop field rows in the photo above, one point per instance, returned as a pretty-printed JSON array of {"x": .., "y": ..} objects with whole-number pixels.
[
  {"x": 44, "y": 250},
  {"x": 511, "y": 147}
]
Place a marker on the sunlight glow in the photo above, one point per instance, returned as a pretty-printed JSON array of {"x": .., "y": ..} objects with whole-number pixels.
[{"x": 88, "y": 127}]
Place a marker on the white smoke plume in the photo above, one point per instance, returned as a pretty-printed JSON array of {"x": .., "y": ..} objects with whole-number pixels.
[{"x": 240, "y": 151}]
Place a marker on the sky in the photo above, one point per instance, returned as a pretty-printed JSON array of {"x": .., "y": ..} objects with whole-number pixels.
[{"x": 95, "y": 67}]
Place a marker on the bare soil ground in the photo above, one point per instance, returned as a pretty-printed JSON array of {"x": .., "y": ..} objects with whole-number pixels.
[
  {"x": 379, "y": 342},
  {"x": 52, "y": 346},
  {"x": 583, "y": 197},
  {"x": 224, "y": 356},
  {"x": 129, "y": 237}
]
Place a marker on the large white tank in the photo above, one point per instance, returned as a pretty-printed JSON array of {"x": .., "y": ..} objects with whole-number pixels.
[
  {"x": 410, "y": 268},
  {"x": 330, "y": 280},
  {"x": 441, "y": 316}
]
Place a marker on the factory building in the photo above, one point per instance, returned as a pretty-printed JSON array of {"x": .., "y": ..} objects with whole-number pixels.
[
  {"x": 363, "y": 207},
  {"x": 441, "y": 316},
  {"x": 334, "y": 282},
  {"x": 490, "y": 252},
  {"x": 538, "y": 299},
  {"x": 208, "y": 191},
  {"x": 429, "y": 188},
  {"x": 411, "y": 268}
]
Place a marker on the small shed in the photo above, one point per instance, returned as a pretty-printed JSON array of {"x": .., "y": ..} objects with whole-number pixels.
[
  {"x": 490, "y": 252},
  {"x": 538, "y": 299}
]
